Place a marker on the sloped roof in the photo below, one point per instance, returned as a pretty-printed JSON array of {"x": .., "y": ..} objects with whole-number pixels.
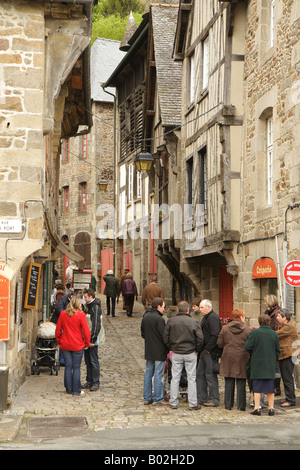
[
  {"x": 169, "y": 72},
  {"x": 105, "y": 56}
]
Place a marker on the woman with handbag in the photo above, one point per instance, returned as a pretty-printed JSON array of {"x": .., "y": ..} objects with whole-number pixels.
[{"x": 232, "y": 339}]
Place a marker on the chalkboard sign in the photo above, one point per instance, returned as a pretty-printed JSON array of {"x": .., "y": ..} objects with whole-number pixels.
[{"x": 32, "y": 287}]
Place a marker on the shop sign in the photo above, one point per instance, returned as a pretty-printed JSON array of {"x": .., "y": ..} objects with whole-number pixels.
[
  {"x": 264, "y": 268},
  {"x": 6, "y": 275},
  {"x": 292, "y": 273}
]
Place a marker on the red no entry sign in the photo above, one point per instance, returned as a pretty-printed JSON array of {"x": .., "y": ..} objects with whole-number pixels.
[{"x": 292, "y": 273}]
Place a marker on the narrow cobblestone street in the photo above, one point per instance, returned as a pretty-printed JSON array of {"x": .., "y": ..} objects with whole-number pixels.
[{"x": 119, "y": 401}]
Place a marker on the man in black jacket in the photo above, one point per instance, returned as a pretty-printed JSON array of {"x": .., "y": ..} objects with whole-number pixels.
[
  {"x": 183, "y": 336},
  {"x": 152, "y": 329},
  {"x": 94, "y": 315},
  {"x": 207, "y": 379}
]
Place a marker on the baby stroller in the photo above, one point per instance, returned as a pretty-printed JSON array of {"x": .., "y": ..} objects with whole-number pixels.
[
  {"x": 46, "y": 349},
  {"x": 168, "y": 376}
]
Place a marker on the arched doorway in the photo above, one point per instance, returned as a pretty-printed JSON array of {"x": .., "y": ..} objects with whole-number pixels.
[{"x": 82, "y": 244}]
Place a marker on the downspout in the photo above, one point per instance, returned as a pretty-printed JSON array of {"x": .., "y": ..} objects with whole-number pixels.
[
  {"x": 115, "y": 169},
  {"x": 285, "y": 247}
]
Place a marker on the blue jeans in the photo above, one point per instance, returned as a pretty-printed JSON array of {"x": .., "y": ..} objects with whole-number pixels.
[
  {"x": 156, "y": 369},
  {"x": 72, "y": 371}
]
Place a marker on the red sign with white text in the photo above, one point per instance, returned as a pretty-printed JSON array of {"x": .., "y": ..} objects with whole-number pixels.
[
  {"x": 292, "y": 273},
  {"x": 4, "y": 308}
]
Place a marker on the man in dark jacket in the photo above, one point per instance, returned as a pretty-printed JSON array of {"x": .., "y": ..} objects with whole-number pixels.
[
  {"x": 207, "y": 379},
  {"x": 184, "y": 337},
  {"x": 152, "y": 329},
  {"x": 112, "y": 291},
  {"x": 93, "y": 314}
]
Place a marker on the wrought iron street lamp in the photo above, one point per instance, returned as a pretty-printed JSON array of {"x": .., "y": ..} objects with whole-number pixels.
[
  {"x": 143, "y": 161},
  {"x": 102, "y": 185}
]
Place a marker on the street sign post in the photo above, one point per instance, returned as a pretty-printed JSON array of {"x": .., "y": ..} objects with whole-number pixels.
[{"x": 292, "y": 273}]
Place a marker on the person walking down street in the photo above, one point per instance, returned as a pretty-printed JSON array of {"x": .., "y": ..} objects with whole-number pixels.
[
  {"x": 152, "y": 329},
  {"x": 287, "y": 335},
  {"x": 207, "y": 379},
  {"x": 129, "y": 291},
  {"x": 273, "y": 308},
  {"x": 94, "y": 317},
  {"x": 123, "y": 277},
  {"x": 73, "y": 336},
  {"x": 112, "y": 291},
  {"x": 183, "y": 336},
  {"x": 263, "y": 346},
  {"x": 231, "y": 340},
  {"x": 151, "y": 291}
]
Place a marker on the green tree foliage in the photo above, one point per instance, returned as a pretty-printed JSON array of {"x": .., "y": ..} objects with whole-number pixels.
[
  {"x": 120, "y": 8},
  {"x": 113, "y": 26}
]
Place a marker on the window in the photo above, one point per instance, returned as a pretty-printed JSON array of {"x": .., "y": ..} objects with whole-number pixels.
[
  {"x": 190, "y": 185},
  {"x": 130, "y": 182},
  {"x": 269, "y": 131},
  {"x": 192, "y": 79},
  {"x": 83, "y": 197},
  {"x": 203, "y": 178},
  {"x": 66, "y": 200},
  {"x": 205, "y": 62},
  {"x": 139, "y": 184},
  {"x": 84, "y": 146},
  {"x": 67, "y": 151}
]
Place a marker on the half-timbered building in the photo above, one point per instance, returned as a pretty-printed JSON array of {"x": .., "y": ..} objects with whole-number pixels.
[{"x": 210, "y": 42}]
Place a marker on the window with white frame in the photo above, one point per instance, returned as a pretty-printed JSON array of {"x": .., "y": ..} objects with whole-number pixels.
[
  {"x": 192, "y": 79},
  {"x": 130, "y": 181},
  {"x": 269, "y": 130},
  {"x": 139, "y": 184}
]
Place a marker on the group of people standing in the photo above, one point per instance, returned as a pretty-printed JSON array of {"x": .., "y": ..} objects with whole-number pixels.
[{"x": 235, "y": 351}]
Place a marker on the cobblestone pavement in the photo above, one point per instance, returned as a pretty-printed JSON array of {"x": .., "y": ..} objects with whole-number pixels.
[{"x": 119, "y": 401}]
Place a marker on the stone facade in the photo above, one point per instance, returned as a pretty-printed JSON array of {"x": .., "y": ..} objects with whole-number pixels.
[
  {"x": 270, "y": 185},
  {"x": 34, "y": 114}
]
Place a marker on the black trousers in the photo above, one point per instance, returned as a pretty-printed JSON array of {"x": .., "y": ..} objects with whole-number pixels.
[
  {"x": 287, "y": 369},
  {"x": 113, "y": 305},
  {"x": 129, "y": 301},
  {"x": 240, "y": 393}
]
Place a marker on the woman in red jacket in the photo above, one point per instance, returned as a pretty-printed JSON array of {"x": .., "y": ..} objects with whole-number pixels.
[{"x": 73, "y": 336}]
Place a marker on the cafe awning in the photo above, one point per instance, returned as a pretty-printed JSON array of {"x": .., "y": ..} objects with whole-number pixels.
[{"x": 264, "y": 268}]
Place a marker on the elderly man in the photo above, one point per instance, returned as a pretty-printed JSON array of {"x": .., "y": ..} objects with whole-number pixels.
[
  {"x": 183, "y": 336},
  {"x": 207, "y": 379}
]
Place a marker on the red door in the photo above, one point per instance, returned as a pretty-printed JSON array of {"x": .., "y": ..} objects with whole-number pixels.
[
  {"x": 152, "y": 256},
  {"x": 107, "y": 262},
  {"x": 225, "y": 293},
  {"x": 128, "y": 260}
]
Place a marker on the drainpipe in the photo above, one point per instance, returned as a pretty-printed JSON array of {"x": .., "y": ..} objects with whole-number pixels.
[{"x": 285, "y": 250}]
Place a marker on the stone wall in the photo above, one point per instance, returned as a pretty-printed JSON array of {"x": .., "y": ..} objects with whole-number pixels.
[
  {"x": 98, "y": 164},
  {"x": 271, "y": 89}
]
